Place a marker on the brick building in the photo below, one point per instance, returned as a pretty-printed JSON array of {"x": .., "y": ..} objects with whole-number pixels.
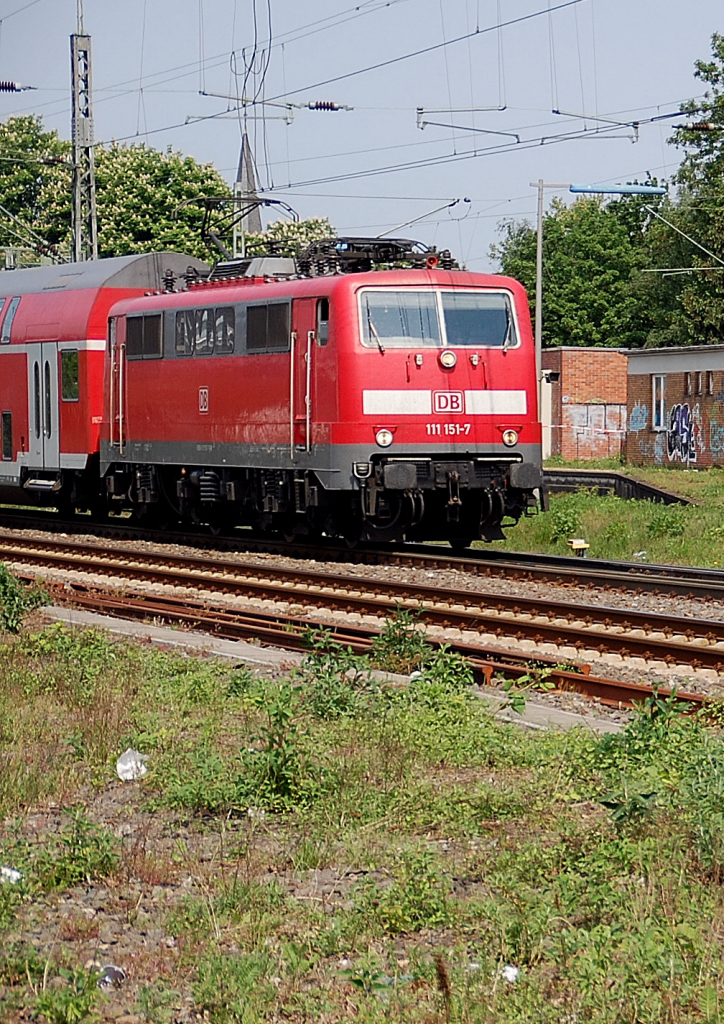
[
  {"x": 584, "y": 402},
  {"x": 676, "y": 406}
]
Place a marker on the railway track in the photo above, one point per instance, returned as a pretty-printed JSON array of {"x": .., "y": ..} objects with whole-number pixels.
[
  {"x": 490, "y": 666},
  {"x": 585, "y": 631},
  {"x": 670, "y": 580}
]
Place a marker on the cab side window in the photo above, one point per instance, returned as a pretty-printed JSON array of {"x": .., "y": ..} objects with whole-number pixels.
[
  {"x": 7, "y": 326},
  {"x": 322, "y": 321}
]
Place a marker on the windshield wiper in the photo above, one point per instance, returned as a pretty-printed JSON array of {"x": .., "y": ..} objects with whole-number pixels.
[
  {"x": 508, "y": 330},
  {"x": 374, "y": 332}
]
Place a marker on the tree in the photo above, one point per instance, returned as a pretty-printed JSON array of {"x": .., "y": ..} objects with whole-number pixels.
[
  {"x": 145, "y": 197},
  {"x": 590, "y": 255},
  {"x": 288, "y": 237},
  {"x": 700, "y": 207}
]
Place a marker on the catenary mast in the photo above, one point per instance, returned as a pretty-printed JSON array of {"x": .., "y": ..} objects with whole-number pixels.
[{"x": 85, "y": 224}]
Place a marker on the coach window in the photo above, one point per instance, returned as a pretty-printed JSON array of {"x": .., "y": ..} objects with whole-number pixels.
[
  {"x": 267, "y": 328},
  {"x": 224, "y": 330},
  {"x": 143, "y": 336},
  {"x": 7, "y": 436},
  {"x": 322, "y": 321},
  {"x": 204, "y": 337},
  {"x": 658, "y": 401},
  {"x": 69, "y": 379},
  {"x": 8, "y": 321}
]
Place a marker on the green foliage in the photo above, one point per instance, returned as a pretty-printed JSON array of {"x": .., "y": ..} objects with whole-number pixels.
[
  {"x": 334, "y": 682},
  {"x": 288, "y": 238},
  {"x": 590, "y": 258},
  {"x": 667, "y": 521},
  {"x": 73, "y": 1002},
  {"x": 401, "y": 646},
  {"x": 233, "y": 987},
  {"x": 84, "y": 853},
  {"x": 565, "y": 522},
  {"x": 16, "y": 600},
  {"x": 417, "y": 898}
]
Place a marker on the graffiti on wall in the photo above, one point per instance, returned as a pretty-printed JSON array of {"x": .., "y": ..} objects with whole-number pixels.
[
  {"x": 639, "y": 417},
  {"x": 716, "y": 438},
  {"x": 684, "y": 437},
  {"x": 660, "y": 449}
]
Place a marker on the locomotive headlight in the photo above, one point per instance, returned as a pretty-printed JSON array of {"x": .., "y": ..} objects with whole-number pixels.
[
  {"x": 384, "y": 438},
  {"x": 448, "y": 358},
  {"x": 510, "y": 437}
]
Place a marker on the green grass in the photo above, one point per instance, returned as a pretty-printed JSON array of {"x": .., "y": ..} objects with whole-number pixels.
[
  {"x": 633, "y": 530},
  {"x": 349, "y": 850}
]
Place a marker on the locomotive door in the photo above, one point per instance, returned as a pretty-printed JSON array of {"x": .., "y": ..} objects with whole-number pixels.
[
  {"x": 302, "y": 356},
  {"x": 43, "y": 406},
  {"x": 117, "y": 411}
]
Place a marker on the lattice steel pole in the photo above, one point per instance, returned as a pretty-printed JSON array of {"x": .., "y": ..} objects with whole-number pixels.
[{"x": 85, "y": 224}]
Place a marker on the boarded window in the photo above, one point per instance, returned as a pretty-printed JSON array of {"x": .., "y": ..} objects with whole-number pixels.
[
  {"x": 710, "y": 382},
  {"x": 658, "y": 401},
  {"x": 8, "y": 321},
  {"x": 7, "y": 436},
  {"x": 267, "y": 328},
  {"x": 144, "y": 339},
  {"x": 69, "y": 375}
]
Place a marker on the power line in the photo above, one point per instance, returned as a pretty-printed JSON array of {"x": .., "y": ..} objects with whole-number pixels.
[{"x": 428, "y": 49}]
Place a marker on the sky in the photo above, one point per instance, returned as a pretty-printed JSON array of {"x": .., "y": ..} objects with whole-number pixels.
[{"x": 462, "y": 102}]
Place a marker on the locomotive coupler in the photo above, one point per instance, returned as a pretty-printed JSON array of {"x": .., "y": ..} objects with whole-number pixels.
[{"x": 454, "y": 503}]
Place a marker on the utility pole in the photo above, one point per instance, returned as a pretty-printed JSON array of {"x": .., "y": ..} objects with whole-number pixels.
[{"x": 85, "y": 223}]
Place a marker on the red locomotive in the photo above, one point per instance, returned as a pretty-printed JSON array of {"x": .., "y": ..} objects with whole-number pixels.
[{"x": 378, "y": 404}]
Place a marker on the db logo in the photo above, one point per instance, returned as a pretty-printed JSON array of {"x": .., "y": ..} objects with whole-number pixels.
[
  {"x": 447, "y": 401},
  {"x": 203, "y": 399}
]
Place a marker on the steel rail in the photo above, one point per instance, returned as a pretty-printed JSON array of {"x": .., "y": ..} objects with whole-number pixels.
[
  {"x": 491, "y": 666},
  {"x": 541, "y": 621},
  {"x": 668, "y": 580}
]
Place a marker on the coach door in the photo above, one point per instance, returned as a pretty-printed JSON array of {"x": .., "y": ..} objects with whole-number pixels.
[
  {"x": 43, "y": 426},
  {"x": 302, "y": 357}
]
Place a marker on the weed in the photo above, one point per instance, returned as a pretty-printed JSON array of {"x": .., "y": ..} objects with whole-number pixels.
[
  {"x": 16, "y": 600},
  {"x": 272, "y": 774},
  {"x": 72, "y": 1003},
  {"x": 667, "y": 521},
  {"x": 155, "y": 1003},
  {"x": 233, "y": 988},
  {"x": 84, "y": 852},
  {"x": 565, "y": 522},
  {"x": 401, "y": 646},
  {"x": 417, "y": 898},
  {"x": 334, "y": 681}
]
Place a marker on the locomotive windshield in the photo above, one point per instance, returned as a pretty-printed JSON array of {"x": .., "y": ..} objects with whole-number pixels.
[{"x": 436, "y": 319}]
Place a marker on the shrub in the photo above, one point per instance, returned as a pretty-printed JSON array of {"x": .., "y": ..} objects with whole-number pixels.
[{"x": 16, "y": 600}]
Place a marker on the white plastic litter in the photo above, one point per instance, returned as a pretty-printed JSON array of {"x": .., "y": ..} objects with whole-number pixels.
[
  {"x": 11, "y": 875},
  {"x": 131, "y": 766},
  {"x": 111, "y": 977},
  {"x": 510, "y": 974}
]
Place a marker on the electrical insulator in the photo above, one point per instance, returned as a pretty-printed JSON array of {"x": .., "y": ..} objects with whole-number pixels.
[
  {"x": 327, "y": 105},
  {"x": 14, "y": 87},
  {"x": 704, "y": 126}
]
